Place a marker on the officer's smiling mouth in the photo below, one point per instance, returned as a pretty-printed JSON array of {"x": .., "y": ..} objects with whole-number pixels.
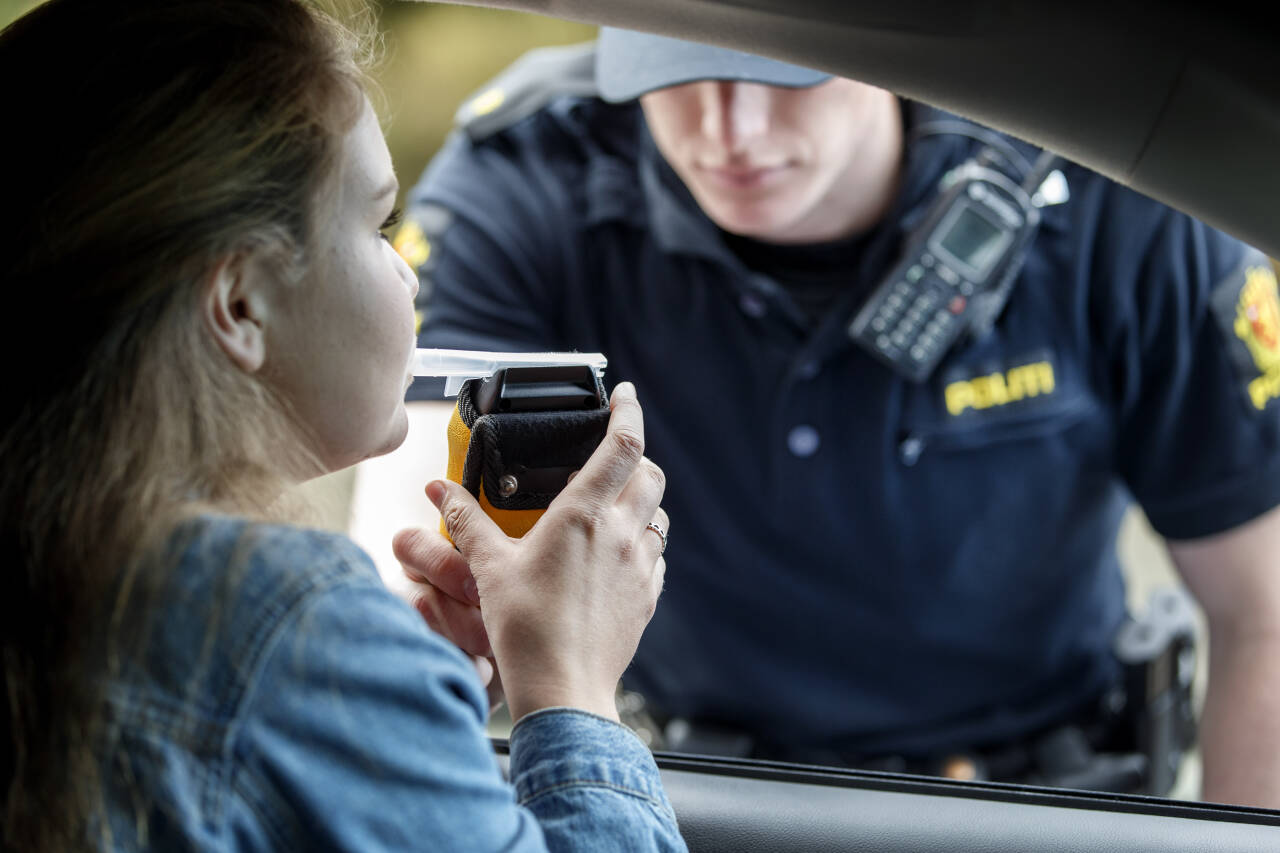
[{"x": 745, "y": 177}]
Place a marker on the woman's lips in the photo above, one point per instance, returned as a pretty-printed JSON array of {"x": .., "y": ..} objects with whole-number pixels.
[{"x": 413, "y": 351}]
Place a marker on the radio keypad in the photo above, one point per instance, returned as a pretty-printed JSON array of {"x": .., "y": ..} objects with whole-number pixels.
[{"x": 917, "y": 319}]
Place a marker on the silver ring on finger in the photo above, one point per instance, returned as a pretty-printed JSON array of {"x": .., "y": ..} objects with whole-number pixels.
[{"x": 662, "y": 534}]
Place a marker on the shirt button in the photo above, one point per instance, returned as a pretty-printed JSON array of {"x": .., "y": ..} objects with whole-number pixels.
[
  {"x": 803, "y": 441},
  {"x": 808, "y": 369},
  {"x": 752, "y": 305}
]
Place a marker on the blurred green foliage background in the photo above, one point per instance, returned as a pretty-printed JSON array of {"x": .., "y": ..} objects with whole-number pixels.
[{"x": 436, "y": 55}]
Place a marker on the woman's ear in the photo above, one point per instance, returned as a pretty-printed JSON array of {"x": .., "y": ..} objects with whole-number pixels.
[{"x": 235, "y": 310}]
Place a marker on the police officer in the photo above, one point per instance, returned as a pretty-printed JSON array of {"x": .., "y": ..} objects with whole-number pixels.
[{"x": 870, "y": 570}]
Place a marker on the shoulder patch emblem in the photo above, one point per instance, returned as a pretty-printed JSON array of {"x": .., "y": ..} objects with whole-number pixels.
[
  {"x": 1258, "y": 317},
  {"x": 1248, "y": 308}
]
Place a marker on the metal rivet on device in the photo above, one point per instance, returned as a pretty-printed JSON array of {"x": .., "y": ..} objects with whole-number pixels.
[{"x": 507, "y": 485}]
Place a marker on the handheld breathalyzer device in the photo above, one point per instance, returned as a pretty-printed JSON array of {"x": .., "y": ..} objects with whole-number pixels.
[{"x": 522, "y": 424}]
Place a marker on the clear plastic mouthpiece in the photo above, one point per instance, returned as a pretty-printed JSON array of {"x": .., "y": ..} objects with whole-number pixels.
[{"x": 458, "y": 365}]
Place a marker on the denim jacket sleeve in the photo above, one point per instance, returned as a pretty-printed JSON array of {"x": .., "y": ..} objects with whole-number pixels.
[
  {"x": 365, "y": 731},
  {"x": 563, "y": 759}
]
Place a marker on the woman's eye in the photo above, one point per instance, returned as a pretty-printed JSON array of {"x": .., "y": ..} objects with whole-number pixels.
[{"x": 391, "y": 222}]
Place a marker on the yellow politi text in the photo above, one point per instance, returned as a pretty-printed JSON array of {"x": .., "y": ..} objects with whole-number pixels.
[{"x": 1000, "y": 389}]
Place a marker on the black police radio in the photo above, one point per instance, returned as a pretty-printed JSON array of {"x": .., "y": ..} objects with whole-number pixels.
[{"x": 957, "y": 269}]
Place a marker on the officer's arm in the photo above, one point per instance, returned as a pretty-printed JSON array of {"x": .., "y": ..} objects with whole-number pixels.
[{"x": 1235, "y": 575}]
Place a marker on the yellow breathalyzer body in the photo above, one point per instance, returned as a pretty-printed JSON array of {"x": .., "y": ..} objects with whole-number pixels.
[
  {"x": 514, "y": 522},
  {"x": 520, "y": 430}
]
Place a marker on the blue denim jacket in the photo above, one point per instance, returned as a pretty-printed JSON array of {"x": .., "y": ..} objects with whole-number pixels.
[{"x": 304, "y": 707}]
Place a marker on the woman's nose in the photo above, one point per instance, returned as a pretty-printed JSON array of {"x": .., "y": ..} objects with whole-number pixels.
[{"x": 409, "y": 274}]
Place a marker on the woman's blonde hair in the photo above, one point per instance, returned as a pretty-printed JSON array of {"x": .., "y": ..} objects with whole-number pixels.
[{"x": 147, "y": 141}]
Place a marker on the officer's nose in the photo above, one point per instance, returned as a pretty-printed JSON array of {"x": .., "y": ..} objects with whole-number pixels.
[{"x": 734, "y": 113}]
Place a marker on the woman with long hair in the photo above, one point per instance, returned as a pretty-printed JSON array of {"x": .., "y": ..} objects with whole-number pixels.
[{"x": 203, "y": 313}]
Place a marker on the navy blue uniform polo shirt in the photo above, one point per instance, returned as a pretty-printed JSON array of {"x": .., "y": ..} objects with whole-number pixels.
[{"x": 857, "y": 562}]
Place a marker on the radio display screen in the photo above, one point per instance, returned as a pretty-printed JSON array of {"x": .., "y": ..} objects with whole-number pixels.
[{"x": 974, "y": 240}]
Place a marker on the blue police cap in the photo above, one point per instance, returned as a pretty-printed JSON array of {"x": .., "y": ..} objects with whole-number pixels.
[{"x": 630, "y": 63}]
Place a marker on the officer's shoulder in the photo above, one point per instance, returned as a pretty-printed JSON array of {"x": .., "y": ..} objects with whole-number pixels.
[
  {"x": 549, "y": 91},
  {"x": 524, "y": 143},
  {"x": 1132, "y": 219}
]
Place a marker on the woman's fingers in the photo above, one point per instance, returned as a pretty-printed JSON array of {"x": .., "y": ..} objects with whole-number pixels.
[
  {"x": 655, "y": 535},
  {"x": 475, "y": 534},
  {"x": 427, "y": 557},
  {"x": 643, "y": 492},
  {"x": 488, "y": 672},
  {"x": 484, "y": 669},
  {"x": 610, "y": 467},
  {"x": 444, "y": 590},
  {"x": 494, "y": 686},
  {"x": 459, "y": 623}
]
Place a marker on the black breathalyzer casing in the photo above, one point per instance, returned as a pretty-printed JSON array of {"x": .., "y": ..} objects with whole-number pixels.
[{"x": 517, "y": 435}]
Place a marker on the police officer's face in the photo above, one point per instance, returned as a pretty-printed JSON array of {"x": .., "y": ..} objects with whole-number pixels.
[{"x": 778, "y": 164}]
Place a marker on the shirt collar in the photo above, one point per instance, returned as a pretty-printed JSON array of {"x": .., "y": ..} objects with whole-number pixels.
[{"x": 678, "y": 224}]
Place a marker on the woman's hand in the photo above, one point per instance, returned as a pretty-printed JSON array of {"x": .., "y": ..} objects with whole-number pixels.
[
  {"x": 561, "y": 609},
  {"x": 443, "y": 591}
]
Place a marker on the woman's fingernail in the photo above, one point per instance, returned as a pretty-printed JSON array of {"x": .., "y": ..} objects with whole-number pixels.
[
  {"x": 435, "y": 493},
  {"x": 470, "y": 590}
]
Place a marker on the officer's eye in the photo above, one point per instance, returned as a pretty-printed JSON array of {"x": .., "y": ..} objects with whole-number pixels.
[{"x": 391, "y": 222}]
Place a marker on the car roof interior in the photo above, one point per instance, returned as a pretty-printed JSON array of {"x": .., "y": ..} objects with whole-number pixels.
[
  {"x": 1182, "y": 105},
  {"x": 1177, "y": 100}
]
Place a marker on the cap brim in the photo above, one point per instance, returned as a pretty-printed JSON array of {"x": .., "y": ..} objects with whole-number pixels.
[{"x": 630, "y": 64}]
